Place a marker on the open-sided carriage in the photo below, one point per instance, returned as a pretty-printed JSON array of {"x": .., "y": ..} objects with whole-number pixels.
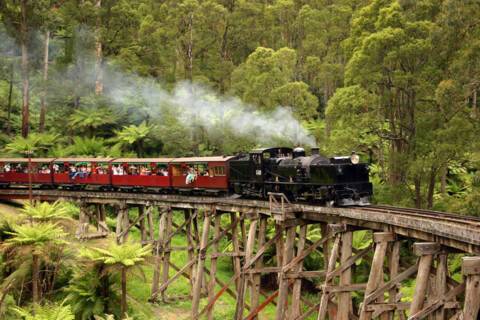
[
  {"x": 200, "y": 173},
  {"x": 132, "y": 173},
  {"x": 14, "y": 171},
  {"x": 81, "y": 172}
]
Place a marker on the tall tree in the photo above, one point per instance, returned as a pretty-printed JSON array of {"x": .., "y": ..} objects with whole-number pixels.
[
  {"x": 98, "y": 50},
  {"x": 25, "y": 68},
  {"x": 43, "y": 98}
]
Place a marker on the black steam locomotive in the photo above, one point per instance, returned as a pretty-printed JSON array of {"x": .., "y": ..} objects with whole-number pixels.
[{"x": 343, "y": 181}]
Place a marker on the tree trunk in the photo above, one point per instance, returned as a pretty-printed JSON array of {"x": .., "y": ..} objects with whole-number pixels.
[
  {"x": 8, "y": 126},
  {"x": 35, "y": 275},
  {"x": 418, "y": 192},
  {"x": 43, "y": 101},
  {"x": 443, "y": 180},
  {"x": 25, "y": 80},
  {"x": 124, "y": 293},
  {"x": 98, "y": 52},
  {"x": 431, "y": 188},
  {"x": 474, "y": 103},
  {"x": 190, "y": 49}
]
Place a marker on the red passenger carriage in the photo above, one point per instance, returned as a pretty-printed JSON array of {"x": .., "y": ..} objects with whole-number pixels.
[
  {"x": 200, "y": 173},
  {"x": 81, "y": 171},
  {"x": 15, "y": 171},
  {"x": 136, "y": 172}
]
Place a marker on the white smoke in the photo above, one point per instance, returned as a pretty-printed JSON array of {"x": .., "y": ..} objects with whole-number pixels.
[{"x": 193, "y": 103}]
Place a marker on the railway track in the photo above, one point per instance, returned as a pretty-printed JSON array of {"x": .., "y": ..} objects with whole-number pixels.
[{"x": 428, "y": 214}]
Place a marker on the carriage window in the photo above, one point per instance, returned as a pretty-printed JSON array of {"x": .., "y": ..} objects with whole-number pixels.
[
  {"x": 161, "y": 169},
  {"x": 218, "y": 171},
  {"x": 19, "y": 167},
  {"x": 266, "y": 155},
  {"x": 101, "y": 168},
  {"x": 43, "y": 168},
  {"x": 59, "y": 168}
]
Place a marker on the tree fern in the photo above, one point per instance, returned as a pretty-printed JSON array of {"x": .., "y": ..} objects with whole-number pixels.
[{"x": 46, "y": 312}]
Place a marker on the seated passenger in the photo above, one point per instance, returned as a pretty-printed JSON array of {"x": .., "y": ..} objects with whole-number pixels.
[
  {"x": 133, "y": 170},
  {"x": 7, "y": 168},
  {"x": 73, "y": 172},
  {"x": 56, "y": 168},
  {"x": 191, "y": 176}
]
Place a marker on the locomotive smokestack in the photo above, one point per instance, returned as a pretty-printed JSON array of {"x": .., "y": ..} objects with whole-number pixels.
[
  {"x": 298, "y": 152},
  {"x": 315, "y": 151}
]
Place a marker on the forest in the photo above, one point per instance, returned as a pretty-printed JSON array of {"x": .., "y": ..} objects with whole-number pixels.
[{"x": 396, "y": 81}]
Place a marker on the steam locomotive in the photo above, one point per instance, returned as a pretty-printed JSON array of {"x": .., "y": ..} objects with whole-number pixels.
[{"x": 342, "y": 181}]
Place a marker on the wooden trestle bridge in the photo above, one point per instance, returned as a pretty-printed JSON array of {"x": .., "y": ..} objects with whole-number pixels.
[{"x": 432, "y": 236}]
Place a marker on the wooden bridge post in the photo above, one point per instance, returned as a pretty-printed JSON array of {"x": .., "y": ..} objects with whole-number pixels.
[
  {"x": 471, "y": 271},
  {"x": 279, "y": 246},
  {"x": 332, "y": 260},
  {"x": 325, "y": 246},
  {"x": 244, "y": 277},
  {"x": 381, "y": 240},
  {"x": 288, "y": 249},
  {"x": 158, "y": 255},
  {"x": 191, "y": 245},
  {"x": 151, "y": 226},
  {"x": 122, "y": 223},
  {"x": 143, "y": 229},
  {"x": 394, "y": 266},
  {"x": 345, "y": 298},
  {"x": 102, "y": 220},
  {"x": 197, "y": 287},
  {"x": 236, "y": 247},
  {"x": 166, "y": 250},
  {"x": 213, "y": 264},
  {"x": 425, "y": 251},
  {"x": 441, "y": 282},
  {"x": 297, "y": 285},
  {"x": 256, "y": 287},
  {"x": 83, "y": 221}
]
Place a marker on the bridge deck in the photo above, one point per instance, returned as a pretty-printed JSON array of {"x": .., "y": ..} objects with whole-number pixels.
[{"x": 459, "y": 232}]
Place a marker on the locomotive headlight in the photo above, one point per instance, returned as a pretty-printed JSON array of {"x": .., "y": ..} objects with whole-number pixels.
[{"x": 354, "y": 158}]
